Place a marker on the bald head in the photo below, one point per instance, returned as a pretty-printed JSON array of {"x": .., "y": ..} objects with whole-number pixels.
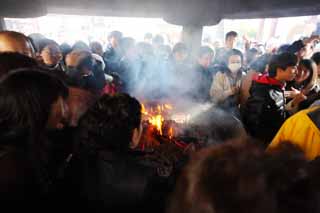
[{"x": 16, "y": 42}]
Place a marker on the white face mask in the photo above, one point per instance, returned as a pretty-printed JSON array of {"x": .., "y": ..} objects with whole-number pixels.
[{"x": 234, "y": 67}]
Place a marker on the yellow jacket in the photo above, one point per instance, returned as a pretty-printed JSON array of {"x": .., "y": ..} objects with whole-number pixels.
[{"x": 301, "y": 131}]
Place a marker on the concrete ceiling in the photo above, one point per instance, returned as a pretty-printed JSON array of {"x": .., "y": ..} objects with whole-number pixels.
[{"x": 180, "y": 12}]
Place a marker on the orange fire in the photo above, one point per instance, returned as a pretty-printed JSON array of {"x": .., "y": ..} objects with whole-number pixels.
[{"x": 155, "y": 115}]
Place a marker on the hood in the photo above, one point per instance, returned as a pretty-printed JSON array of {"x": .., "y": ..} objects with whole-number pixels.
[{"x": 265, "y": 79}]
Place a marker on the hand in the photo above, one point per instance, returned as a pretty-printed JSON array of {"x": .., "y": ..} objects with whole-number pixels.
[
  {"x": 234, "y": 90},
  {"x": 298, "y": 99},
  {"x": 291, "y": 94}
]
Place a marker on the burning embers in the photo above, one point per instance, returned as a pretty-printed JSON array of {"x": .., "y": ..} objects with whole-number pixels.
[
  {"x": 161, "y": 124},
  {"x": 155, "y": 115}
]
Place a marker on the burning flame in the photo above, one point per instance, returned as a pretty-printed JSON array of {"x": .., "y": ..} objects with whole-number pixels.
[
  {"x": 155, "y": 115},
  {"x": 170, "y": 133}
]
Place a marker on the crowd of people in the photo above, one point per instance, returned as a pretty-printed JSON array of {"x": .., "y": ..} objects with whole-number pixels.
[{"x": 71, "y": 126}]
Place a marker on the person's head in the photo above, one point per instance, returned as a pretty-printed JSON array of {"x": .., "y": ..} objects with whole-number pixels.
[
  {"x": 50, "y": 52},
  {"x": 148, "y": 38},
  {"x": 164, "y": 52},
  {"x": 31, "y": 102},
  {"x": 261, "y": 64},
  {"x": 205, "y": 56},
  {"x": 283, "y": 67},
  {"x": 127, "y": 46},
  {"x": 234, "y": 60},
  {"x": 231, "y": 39},
  {"x": 226, "y": 178},
  {"x": 65, "y": 49},
  {"x": 251, "y": 55},
  {"x": 180, "y": 52},
  {"x": 79, "y": 59},
  {"x": 10, "y": 61},
  {"x": 112, "y": 123},
  {"x": 316, "y": 59},
  {"x": 306, "y": 72},
  {"x": 11, "y": 41},
  {"x": 114, "y": 38},
  {"x": 81, "y": 46},
  {"x": 286, "y": 166},
  {"x": 36, "y": 38},
  {"x": 96, "y": 48},
  {"x": 157, "y": 41}
]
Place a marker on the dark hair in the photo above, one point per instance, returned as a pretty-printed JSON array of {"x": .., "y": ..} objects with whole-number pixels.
[
  {"x": 126, "y": 43},
  {"x": 80, "y": 45},
  {"x": 283, "y": 48},
  {"x": 261, "y": 63},
  {"x": 110, "y": 122},
  {"x": 316, "y": 58},
  {"x": 233, "y": 52},
  {"x": 250, "y": 54},
  {"x": 225, "y": 178},
  {"x": 65, "y": 49},
  {"x": 116, "y": 34},
  {"x": 282, "y": 61},
  {"x": 307, "y": 63},
  {"x": 231, "y": 34},
  {"x": 11, "y": 61},
  {"x": 158, "y": 39},
  {"x": 286, "y": 166},
  {"x": 204, "y": 50},
  {"x": 45, "y": 42},
  {"x": 179, "y": 47},
  {"x": 26, "y": 99}
]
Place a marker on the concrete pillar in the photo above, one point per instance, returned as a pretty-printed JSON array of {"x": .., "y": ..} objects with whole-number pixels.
[
  {"x": 192, "y": 37},
  {"x": 2, "y": 24}
]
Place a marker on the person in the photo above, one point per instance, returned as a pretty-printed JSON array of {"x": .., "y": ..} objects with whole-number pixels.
[
  {"x": 81, "y": 46},
  {"x": 256, "y": 68},
  {"x": 230, "y": 43},
  {"x": 225, "y": 88},
  {"x": 148, "y": 38},
  {"x": 303, "y": 48},
  {"x": 291, "y": 179},
  {"x": 108, "y": 134},
  {"x": 10, "y": 61},
  {"x": 11, "y": 41},
  {"x": 306, "y": 82},
  {"x": 96, "y": 48},
  {"x": 82, "y": 73},
  {"x": 129, "y": 67},
  {"x": 303, "y": 130},
  {"x": 316, "y": 59},
  {"x": 51, "y": 55},
  {"x": 225, "y": 178},
  {"x": 112, "y": 55},
  {"x": 31, "y": 102},
  {"x": 202, "y": 76},
  {"x": 265, "y": 110},
  {"x": 251, "y": 55},
  {"x": 180, "y": 54}
]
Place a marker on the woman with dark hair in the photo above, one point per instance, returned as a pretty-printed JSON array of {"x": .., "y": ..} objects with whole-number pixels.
[
  {"x": 225, "y": 88},
  {"x": 112, "y": 175},
  {"x": 305, "y": 82},
  {"x": 31, "y": 102}
]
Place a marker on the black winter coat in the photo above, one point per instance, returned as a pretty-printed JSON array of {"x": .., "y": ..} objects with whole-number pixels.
[{"x": 264, "y": 112}]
